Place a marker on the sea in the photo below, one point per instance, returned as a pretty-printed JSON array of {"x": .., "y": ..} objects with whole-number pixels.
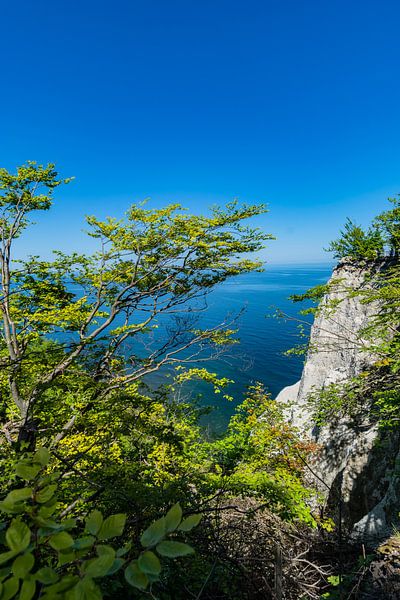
[{"x": 267, "y": 324}]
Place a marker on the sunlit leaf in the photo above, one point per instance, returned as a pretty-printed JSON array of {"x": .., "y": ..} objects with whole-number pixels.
[
  {"x": 18, "y": 536},
  {"x": 154, "y": 533},
  {"x": 61, "y": 540},
  {"x": 113, "y": 526},
  {"x": 22, "y": 565},
  {"x": 93, "y": 522},
  {"x": 45, "y": 494},
  {"x": 27, "y": 471},
  {"x": 173, "y": 518},
  {"x": 98, "y": 567},
  {"x": 190, "y": 522},
  {"x": 42, "y": 456}
]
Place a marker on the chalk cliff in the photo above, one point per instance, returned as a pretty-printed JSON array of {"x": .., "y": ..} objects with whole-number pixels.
[{"x": 356, "y": 465}]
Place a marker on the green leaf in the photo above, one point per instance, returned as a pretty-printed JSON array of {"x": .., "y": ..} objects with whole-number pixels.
[
  {"x": 42, "y": 456},
  {"x": 84, "y": 542},
  {"x": 66, "y": 556},
  {"x": 18, "y": 495},
  {"x": 113, "y": 526},
  {"x": 18, "y": 536},
  {"x": 61, "y": 540},
  {"x": 98, "y": 567},
  {"x": 105, "y": 550},
  {"x": 124, "y": 550},
  {"x": 68, "y": 523},
  {"x": 135, "y": 577},
  {"x": 22, "y": 565},
  {"x": 66, "y": 583},
  {"x": 174, "y": 549},
  {"x": 93, "y": 522},
  {"x": 27, "y": 590},
  {"x": 45, "y": 494},
  {"x": 76, "y": 593},
  {"x": 47, "y": 525},
  {"x": 46, "y": 511},
  {"x": 190, "y": 522},
  {"x": 46, "y": 575},
  {"x": 148, "y": 563},
  {"x": 46, "y": 522},
  {"x": 10, "y": 588},
  {"x": 4, "y": 572},
  {"x": 12, "y": 509},
  {"x": 173, "y": 518},
  {"x": 153, "y": 534},
  {"x": 6, "y": 556},
  {"x": 117, "y": 564},
  {"x": 27, "y": 470},
  {"x": 90, "y": 589}
]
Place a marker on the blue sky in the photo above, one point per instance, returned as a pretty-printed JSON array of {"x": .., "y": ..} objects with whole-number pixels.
[{"x": 293, "y": 103}]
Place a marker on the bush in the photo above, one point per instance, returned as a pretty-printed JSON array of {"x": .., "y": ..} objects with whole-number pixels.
[{"x": 48, "y": 555}]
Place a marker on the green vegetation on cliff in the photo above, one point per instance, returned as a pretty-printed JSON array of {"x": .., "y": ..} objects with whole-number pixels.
[
  {"x": 376, "y": 391},
  {"x": 86, "y": 445}
]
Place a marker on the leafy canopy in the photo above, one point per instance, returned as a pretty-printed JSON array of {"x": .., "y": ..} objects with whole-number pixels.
[
  {"x": 100, "y": 511},
  {"x": 49, "y": 556},
  {"x": 374, "y": 393},
  {"x": 151, "y": 268}
]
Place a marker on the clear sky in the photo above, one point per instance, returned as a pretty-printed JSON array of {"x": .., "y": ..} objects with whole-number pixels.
[{"x": 291, "y": 102}]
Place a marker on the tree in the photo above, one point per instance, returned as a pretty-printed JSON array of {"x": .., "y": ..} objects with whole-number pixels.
[
  {"x": 84, "y": 315},
  {"x": 375, "y": 391},
  {"x": 356, "y": 243},
  {"x": 79, "y": 336},
  {"x": 41, "y": 558},
  {"x": 388, "y": 224}
]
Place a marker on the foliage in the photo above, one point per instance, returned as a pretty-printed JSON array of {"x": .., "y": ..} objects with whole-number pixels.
[
  {"x": 388, "y": 223},
  {"x": 80, "y": 334},
  {"x": 314, "y": 294},
  {"x": 356, "y": 243},
  {"x": 344, "y": 586},
  {"x": 154, "y": 451},
  {"x": 375, "y": 392},
  {"x": 380, "y": 239},
  {"x": 151, "y": 265},
  {"x": 262, "y": 455},
  {"x": 51, "y": 556}
]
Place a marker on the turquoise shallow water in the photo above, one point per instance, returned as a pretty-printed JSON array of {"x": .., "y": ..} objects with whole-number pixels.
[{"x": 263, "y": 338}]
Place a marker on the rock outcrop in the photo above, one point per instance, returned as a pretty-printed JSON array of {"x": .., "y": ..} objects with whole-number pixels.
[{"x": 356, "y": 465}]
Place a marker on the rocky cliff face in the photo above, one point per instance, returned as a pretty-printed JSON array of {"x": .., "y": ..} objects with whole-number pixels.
[{"x": 356, "y": 465}]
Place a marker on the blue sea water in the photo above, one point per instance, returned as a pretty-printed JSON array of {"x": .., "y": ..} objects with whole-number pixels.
[
  {"x": 252, "y": 301},
  {"x": 263, "y": 337}
]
